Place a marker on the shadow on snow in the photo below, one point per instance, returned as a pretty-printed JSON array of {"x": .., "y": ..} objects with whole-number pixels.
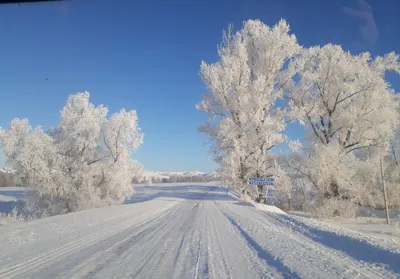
[
  {"x": 355, "y": 248},
  {"x": 264, "y": 255}
]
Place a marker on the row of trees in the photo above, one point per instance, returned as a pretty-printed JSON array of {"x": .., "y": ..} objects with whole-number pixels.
[
  {"x": 182, "y": 178},
  {"x": 264, "y": 80},
  {"x": 83, "y": 163},
  {"x": 146, "y": 178},
  {"x": 189, "y": 178}
]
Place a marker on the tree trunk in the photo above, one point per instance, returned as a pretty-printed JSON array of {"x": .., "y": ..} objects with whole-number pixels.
[
  {"x": 334, "y": 187},
  {"x": 333, "y": 192},
  {"x": 260, "y": 189}
]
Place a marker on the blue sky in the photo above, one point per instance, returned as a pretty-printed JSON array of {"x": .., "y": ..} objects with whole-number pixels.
[{"x": 145, "y": 55}]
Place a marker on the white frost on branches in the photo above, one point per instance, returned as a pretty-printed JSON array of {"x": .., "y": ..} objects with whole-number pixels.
[
  {"x": 345, "y": 98},
  {"x": 83, "y": 163},
  {"x": 351, "y": 114},
  {"x": 245, "y": 121},
  {"x": 342, "y": 99}
]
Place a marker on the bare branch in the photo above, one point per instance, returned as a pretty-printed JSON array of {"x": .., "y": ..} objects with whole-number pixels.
[
  {"x": 315, "y": 130},
  {"x": 394, "y": 154},
  {"x": 353, "y": 94},
  {"x": 105, "y": 142},
  {"x": 335, "y": 131},
  {"x": 98, "y": 160},
  {"x": 360, "y": 147},
  {"x": 336, "y": 101},
  {"x": 352, "y": 144}
]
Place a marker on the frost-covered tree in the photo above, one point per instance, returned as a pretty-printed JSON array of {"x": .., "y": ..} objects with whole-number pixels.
[
  {"x": 245, "y": 121},
  {"x": 139, "y": 173},
  {"x": 349, "y": 108},
  {"x": 83, "y": 163},
  {"x": 391, "y": 167},
  {"x": 392, "y": 171},
  {"x": 392, "y": 180}
]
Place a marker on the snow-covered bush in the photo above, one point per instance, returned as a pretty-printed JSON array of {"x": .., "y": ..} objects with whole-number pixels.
[
  {"x": 139, "y": 173},
  {"x": 83, "y": 163},
  {"x": 325, "y": 208},
  {"x": 12, "y": 217}
]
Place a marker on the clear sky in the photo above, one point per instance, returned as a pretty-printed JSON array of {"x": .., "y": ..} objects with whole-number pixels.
[{"x": 145, "y": 55}]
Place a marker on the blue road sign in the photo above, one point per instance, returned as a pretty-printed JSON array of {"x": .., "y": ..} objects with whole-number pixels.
[{"x": 261, "y": 181}]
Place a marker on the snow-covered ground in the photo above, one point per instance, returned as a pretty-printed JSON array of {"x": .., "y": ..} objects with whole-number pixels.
[
  {"x": 372, "y": 222},
  {"x": 375, "y": 226},
  {"x": 191, "y": 230}
]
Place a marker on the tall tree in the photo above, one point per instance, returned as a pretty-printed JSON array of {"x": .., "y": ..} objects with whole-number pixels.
[
  {"x": 349, "y": 109},
  {"x": 245, "y": 122}
]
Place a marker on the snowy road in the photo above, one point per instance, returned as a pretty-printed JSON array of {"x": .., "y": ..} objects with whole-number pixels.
[{"x": 190, "y": 232}]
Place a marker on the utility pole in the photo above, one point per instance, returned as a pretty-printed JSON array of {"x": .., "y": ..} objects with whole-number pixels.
[{"x": 384, "y": 193}]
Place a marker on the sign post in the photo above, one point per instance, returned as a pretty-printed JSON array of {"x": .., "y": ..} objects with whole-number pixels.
[
  {"x": 384, "y": 194},
  {"x": 261, "y": 181}
]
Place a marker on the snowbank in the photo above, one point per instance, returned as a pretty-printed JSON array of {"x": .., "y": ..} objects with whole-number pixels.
[
  {"x": 386, "y": 241},
  {"x": 261, "y": 206},
  {"x": 269, "y": 208}
]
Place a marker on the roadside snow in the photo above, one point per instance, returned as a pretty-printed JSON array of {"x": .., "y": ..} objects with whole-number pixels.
[
  {"x": 269, "y": 208},
  {"x": 368, "y": 225},
  {"x": 306, "y": 225},
  {"x": 190, "y": 231}
]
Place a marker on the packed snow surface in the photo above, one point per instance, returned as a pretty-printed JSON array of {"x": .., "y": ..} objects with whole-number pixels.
[
  {"x": 190, "y": 231},
  {"x": 269, "y": 208}
]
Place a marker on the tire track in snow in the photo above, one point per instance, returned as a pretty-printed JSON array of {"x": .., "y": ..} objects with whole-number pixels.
[
  {"x": 116, "y": 246},
  {"x": 233, "y": 258},
  {"x": 353, "y": 265},
  {"x": 125, "y": 248},
  {"x": 205, "y": 236},
  {"x": 158, "y": 254},
  {"x": 24, "y": 268},
  {"x": 259, "y": 256},
  {"x": 298, "y": 251}
]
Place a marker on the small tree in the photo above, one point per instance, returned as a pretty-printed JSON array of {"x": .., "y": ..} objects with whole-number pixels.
[{"x": 83, "y": 163}]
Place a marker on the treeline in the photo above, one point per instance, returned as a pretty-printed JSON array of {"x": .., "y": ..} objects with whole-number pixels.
[{"x": 174, "y": 179}]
